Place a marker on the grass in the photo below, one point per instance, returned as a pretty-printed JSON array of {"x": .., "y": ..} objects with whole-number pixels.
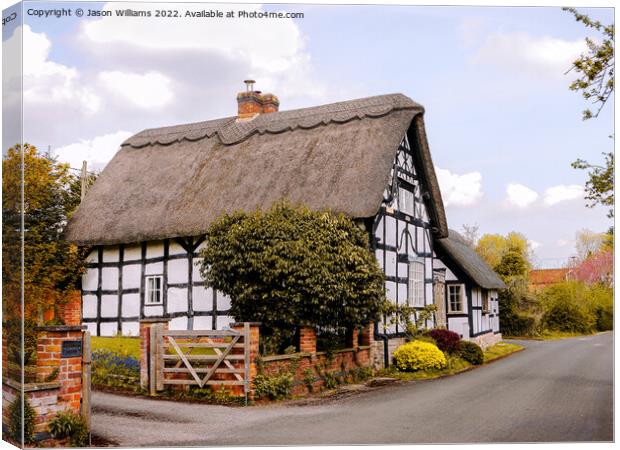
[
  {"x": 123, "y": 345},
  {"x": 549, "y": 335},
  {"x": 500, "y": 349},
  {"x": 455, "y": 364},
  {"x": 130, "y": 346}
]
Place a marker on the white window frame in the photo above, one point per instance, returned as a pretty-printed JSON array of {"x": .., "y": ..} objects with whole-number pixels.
[
  {"x": 462, "y": 295},
  {"x": 416, "y": 282},
  {"x": 147, "y": 294},
  {"x": 406, "y": 201}
]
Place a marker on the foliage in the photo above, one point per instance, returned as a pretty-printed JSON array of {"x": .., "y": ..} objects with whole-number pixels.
[
  {"x": 418, "y": 355},
  {"x": 595, "y": 69},
  {"x": 274, "y": 387},
  {"x": 16, "y": 423},
  {"x": 600, "y": 184},
  {"x": 512, "y": 265},
  {"x": 308, "y": 379},
  {"x": 290, "y": 267},
  {"x": 596, "y": 268},
  {"x": 471, "y": 352},
  {"x": 12, "y": 328},
  {"x": 53, "y": 266},
  {"x": 221, "y": 396},
  {"x": 566, "y": 308},
  {"x": 121, "y": 345},
  {"x": 402, "y": 315},
  {"x": 520, "y": 310},
  {"x": 109, "y": 368},
  {"x": 73, "y": 426},
  {"x": 588, "y": 242},
  {"x": 493, "y": 247},
  {"x": 447, "y": 341},
  {"x": 360, "y": 374}
]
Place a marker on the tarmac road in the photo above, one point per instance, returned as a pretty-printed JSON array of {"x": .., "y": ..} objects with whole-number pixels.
[{"x": 553, "y": 391}]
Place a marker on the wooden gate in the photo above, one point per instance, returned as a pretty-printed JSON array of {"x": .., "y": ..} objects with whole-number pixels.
[{"x": 201, "y": 358}]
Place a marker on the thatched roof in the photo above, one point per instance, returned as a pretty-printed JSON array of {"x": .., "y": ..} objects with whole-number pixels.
[
  {"x": 174, "y": 181},
  {"x": 469, "y": 262}
]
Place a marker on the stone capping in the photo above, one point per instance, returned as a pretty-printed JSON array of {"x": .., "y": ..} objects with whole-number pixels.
[
  {"x": 306, "y": 354},
  {"x": 155, "y": 320},
  {"x": 61, "y": 328},
  {"x": 31, "y": 387}
]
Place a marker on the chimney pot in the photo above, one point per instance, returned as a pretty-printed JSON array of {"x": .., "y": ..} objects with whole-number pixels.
[{"x": 252, "y": 103}]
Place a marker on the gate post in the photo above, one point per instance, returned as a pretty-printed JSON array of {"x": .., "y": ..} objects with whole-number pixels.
[
  {"x": 250, "y": 330},
  {"x": 148, "y": 351}
]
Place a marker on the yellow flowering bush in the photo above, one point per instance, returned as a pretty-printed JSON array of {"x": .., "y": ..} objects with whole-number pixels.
[{"x": 419, "y": 355}]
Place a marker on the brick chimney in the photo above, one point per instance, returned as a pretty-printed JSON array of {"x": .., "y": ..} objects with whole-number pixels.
[{"x": 251, "y": 103}]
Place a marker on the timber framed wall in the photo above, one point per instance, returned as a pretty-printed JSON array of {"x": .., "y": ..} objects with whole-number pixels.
[
  {"x": 114, "y": 288},
  {"x": 401, "y": 235}
]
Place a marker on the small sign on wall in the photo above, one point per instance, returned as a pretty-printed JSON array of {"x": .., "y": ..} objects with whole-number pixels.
[{"x": 71, "y": 349}]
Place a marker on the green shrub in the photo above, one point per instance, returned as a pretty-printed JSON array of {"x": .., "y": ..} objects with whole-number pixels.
[
  {"x": 418, "y": 355},
  {"x": 275, "y": 387},
  {"x": 359, "y": 374},
  {"x": 471, "y": 352},
  {"x": 291, "y": 266},
  {"x": 566, "y": 308},
  {"x": 15, "y": 417},
  {"x": 72, "y": 426}
]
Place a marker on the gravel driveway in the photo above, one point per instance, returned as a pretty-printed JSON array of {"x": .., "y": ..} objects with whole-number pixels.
[{"x": 553, "y": 391}]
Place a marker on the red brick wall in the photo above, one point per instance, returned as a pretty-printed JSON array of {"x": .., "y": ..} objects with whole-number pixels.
[{"x": 340, "y": 364}]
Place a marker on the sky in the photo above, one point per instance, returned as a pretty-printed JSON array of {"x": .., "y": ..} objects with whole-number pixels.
[{"x": 502, "y": 125}]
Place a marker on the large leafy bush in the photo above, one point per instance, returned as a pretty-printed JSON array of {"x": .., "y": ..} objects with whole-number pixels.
[
  {"x": 418, "y": 355},
  {"x": 447, "y": 341},
  {"x": 291, "y": 266},
  {"x": 471, "y": 352},
  {"x": 573, "y": 306}
]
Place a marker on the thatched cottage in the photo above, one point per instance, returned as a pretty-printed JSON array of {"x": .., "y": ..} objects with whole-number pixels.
[{"x": 368, "y": 158}]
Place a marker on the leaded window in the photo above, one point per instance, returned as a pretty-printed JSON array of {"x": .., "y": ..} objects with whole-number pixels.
[
  {"x": 153, "y": 290},
  {"x": 455, "y": 297},
  {"x": 416, "y": 283}
]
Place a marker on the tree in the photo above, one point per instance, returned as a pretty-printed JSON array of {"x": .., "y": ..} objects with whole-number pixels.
[
  {"x": 588, "y": 242},
  {"x": 595, "y": 69},
  {"x": 512, "y": 265},
  {"x": 290, "y": 267},
  {"x": 470, "y": 234},
  {"x": 492, "y": 247},
  {"x": 52, "y": 267},
  {"x": 600, "y": 185}
]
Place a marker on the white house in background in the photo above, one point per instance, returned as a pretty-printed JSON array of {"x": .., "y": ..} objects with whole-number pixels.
[{"x": 146, "y": 214}]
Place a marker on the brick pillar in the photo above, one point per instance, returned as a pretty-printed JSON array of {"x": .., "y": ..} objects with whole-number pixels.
[
  {"x": 368, "y": 335},
  {"x": 71, "y": 311},
  {"x": 50, "y": 359},
  {"x": 307, "y": 340},
  {"x": 353, "y": 338},
  {"x": 254, "y": 350},
  {"x": 145, "y": 347}
]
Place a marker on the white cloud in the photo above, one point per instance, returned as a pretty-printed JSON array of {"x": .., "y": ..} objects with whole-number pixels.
[
  {"x": 275, "y": 53},
  {"x": 459, "y": 190},
  {"x": 519, "y": 195},
  {"x": 151, "y": 90},
  {"x": 537, "y": 55},
  {"x": 46, "y": 81},
  {"x": 97, "y": 151},
  {"x": 562, "y": 193}
]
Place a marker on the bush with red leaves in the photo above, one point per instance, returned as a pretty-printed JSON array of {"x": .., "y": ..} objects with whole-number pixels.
[{"x": 447, "y": 341}]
